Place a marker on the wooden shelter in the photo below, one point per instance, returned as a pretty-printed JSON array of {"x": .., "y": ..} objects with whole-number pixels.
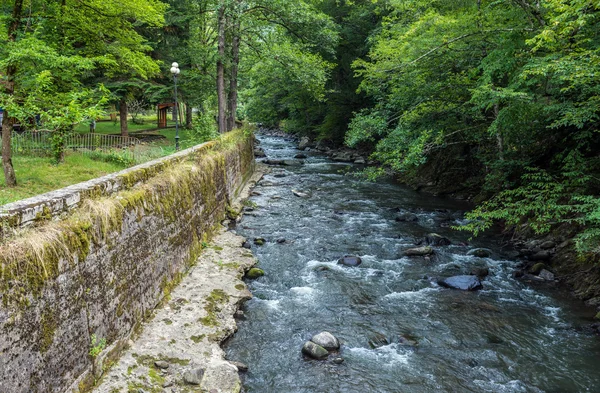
[{"x": 163, "y": 110}]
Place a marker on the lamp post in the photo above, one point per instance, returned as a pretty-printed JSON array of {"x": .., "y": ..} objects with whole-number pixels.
[{"x": 175, "y": 71}]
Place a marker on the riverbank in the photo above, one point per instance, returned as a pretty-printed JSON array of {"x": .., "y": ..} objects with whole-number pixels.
[{"x": 179, "y": 348}]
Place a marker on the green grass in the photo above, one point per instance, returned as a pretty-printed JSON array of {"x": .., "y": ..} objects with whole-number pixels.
[
  {"x": 37, "y": 175},
  {"x": 109, "y": 127}
]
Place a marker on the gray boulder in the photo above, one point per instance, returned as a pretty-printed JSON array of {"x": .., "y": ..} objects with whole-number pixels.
[
  {"x": 464, "y": 283},
  {"x": 480, "y": 252},
  {"x": 304, "y": 143},
  {"x": 350, "y": 260},
  {"x": 314, "y": 351},
  {"x": 327, "y": 341},
  {"x": 546, "y": 275},
  {"x": 194, "y": 376},
  {"x": 418, "y": 251}
]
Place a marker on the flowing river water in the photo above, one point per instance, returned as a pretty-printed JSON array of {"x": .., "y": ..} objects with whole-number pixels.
[{"x": 508, "y": 337}]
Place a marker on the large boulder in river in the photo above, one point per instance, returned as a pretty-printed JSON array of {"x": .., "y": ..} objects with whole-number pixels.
[
  {"x": 350, "y": 260},
  {"x": 304, "y": 143},
  {"x": 314, "y": 351},
  {"x": 326, "y": 340},
  {"x": 464, "y": 283},
  {"x": 418, "y": 252},
  {"x": 480, "y": 252},
  {"x": 434, "y": 239}
]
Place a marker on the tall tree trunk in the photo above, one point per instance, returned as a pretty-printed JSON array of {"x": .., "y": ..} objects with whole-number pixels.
[
  {"x": 221, "y": 72},
  {"x": 9, "y": 172},
  {"x": 233, "y": 81},
  {"x": 123, "y": 114},
  {"x": 499, "y": 136},
  {"x": 7, "y": 127},
  {"x": 188, "y": 116}
]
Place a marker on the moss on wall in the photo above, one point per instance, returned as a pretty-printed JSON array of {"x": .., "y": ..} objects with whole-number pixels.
[{"x": 187, "y": 195}]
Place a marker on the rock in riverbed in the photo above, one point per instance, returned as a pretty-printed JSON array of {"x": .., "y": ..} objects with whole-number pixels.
[
  {"x": 255, "y": 273},
  {"x": 326, "y": 340},
  {"x": 300, "y": 194},
  {"x": 434, "y": 239},
  {"x": 314, "y": 351},
  {"x": 320, "y": 345},
  {"x": 350, "y": 260},
  {"x": 419, "y": 251},
  {"x": 480, "y": 252},
  {"x": 464, "y": 283}
]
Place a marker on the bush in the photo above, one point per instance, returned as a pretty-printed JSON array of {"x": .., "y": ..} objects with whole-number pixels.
[{"x": 204, "y": 129}]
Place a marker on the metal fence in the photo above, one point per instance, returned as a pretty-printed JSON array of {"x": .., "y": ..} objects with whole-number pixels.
[{"x": 39, "y": 143}]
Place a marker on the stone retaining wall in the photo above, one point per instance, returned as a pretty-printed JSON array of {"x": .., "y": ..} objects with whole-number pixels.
[{"x": 99, "y": 256}]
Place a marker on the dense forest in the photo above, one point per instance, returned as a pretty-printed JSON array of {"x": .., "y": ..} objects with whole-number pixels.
[{"x": 498, "y": 98}]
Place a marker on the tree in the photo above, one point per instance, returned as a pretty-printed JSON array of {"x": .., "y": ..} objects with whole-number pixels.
[{"x": 57, "y": 52}]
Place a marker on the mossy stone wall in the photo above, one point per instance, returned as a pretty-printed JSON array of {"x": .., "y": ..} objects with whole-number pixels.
[{"x": 106, "y": 264}]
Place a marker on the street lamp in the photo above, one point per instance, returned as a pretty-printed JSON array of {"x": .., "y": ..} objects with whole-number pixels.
[{"x": 175, "y": 71}]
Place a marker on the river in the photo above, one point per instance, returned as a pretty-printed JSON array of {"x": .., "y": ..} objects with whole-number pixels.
[{"x": 508, "y": 337}]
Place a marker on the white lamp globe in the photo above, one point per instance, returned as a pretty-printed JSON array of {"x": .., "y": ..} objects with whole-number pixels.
[
  {"x": 175, "y": 65},
  {"x": 174, "y": 70}
]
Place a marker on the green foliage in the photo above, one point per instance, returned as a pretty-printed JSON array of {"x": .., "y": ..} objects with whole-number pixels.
[
  {"x": 204, "y": 129},
  {"x": 96, "y": 346}
]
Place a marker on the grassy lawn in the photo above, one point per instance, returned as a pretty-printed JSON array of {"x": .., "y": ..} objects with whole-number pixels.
[{"x": 37, "y": 175}]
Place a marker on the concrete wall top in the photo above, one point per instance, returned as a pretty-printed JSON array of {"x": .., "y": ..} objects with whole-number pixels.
[{"x": 54, "y": 204}]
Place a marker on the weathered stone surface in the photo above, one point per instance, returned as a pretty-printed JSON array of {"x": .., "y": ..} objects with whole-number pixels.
[
  {"x": 200, "y": 316},
  {"x": 418, "y": 251},
  {"x": 350, "y": 260},
  {"x": 242, "y": 367},
  {"x": 194, "y": 376},
  {"x": 300, "y": 156},
  {"x": 314, "y": 351},
  {"x": 326, "y": 340},
  {"x": 54, "y": 204},
  {"x": 464, "y": 283},
  {"x": 116, "y": 274},
  {"x": 480, "y": 252},
  {"x": 546, "y": 275},
  {"x": 161, "y": 364},
  {"x": 304, "y": 143}
]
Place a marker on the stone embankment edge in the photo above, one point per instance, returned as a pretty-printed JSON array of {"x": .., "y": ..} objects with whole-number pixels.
[
  {"x": 214, "y": 285},
  {"x": 58, "y": 203}
]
